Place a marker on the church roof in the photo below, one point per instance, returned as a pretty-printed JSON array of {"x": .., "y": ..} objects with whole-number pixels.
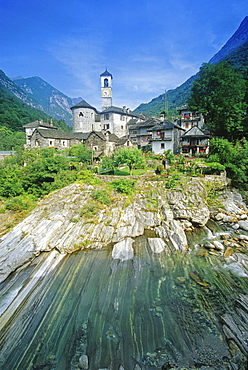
[
  {"x": 106, "y": 73},
  {"x": 83, "y": 104},
  {"x": 119, "y": 110}
]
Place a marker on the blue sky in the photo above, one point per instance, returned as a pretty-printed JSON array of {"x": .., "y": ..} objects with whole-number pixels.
[{"x": 147, "y": 45}]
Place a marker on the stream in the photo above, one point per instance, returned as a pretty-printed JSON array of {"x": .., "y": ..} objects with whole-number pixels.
[{"x": 157, "y": 311}]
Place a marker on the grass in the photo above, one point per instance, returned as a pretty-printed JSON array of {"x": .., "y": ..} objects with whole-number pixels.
[{"x": 126, "y": 172}]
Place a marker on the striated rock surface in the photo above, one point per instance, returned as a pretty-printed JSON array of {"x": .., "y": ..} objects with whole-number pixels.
[{"x": 58, "y": 222}]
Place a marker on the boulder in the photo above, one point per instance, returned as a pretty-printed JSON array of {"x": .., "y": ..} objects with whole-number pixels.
[
  {"x": 157, "y": 245},
  {"x": 83, "y": 362},
  {"x": 243, "y": 225},
  {"x": 123, "y": 250}
]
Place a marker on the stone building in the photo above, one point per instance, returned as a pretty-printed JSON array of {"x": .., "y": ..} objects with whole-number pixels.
[
  {"x": 45, "y": 138},
  {"x": 30, "y": 128},
  {"x": 166, "y": 136},
  {"x": 111, "y": 119},
  {"x": 85, "y": 117}
]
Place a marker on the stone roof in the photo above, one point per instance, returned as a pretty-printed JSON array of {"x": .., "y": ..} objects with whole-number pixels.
[
  {"x": 195, "y": 132},
  {"x": 39, "y": 124},
  {"x": 150, "y": 122},
  {"x": 119, "y": 110},
  {"x": 166, "y": 125},
  {"x": 122, "y": 140},
  {"x": 54, "y": 134},
  {"x": 106, "y": 73},
  {"x": 84, "y": 104}
]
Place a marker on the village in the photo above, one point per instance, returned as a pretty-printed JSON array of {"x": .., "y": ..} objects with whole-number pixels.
[{"x": 117, "y": 127}]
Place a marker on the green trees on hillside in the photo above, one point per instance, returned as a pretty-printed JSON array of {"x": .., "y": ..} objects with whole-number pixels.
[
  {"x": 13, "y": 115},
  {"x": 220, "y": 95},
  {"x": 234, "y": 156}
]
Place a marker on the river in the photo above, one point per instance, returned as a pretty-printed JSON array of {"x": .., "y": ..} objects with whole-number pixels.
[{"x": 157, "y": 310}]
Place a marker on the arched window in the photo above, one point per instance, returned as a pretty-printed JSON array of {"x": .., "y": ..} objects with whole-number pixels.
[
  {"x": 80, "y": 114},
  {"x": 106, "y": 82}
]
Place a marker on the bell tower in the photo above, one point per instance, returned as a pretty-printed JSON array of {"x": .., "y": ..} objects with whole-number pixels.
[{"x": 106, "y": 89}]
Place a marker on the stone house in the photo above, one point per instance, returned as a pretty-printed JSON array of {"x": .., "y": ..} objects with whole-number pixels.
[
  {"x": 140, "y": 131},
  {"x": 32, "y": 126},
  {"x": 50, "y": 138},
  {"x": 188, "y": 118},
  {"x": 195, "y": 142},
  {"x": 166, "y": 136}
]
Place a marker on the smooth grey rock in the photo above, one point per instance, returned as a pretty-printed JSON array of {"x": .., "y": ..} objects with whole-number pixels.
[
  {"x": 123, "y": 250},
  {"x": 218, "y": 245},
  {"x": 157, "y": 245},
  {"x": 83, "y": 362},
  {"x": 243, "y": 225}
]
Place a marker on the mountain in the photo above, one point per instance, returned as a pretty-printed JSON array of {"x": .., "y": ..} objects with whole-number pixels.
[
  {"x": 52, "y": 101},
  {"x": 8, "y": 85},
  {"x": 16, "y": 112},
  {"x": 235, "y": 50},
  {"x": 238, "y": 39}
]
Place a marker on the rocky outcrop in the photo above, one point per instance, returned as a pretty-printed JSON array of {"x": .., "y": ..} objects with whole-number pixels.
[{"x": 61, "y": 222}]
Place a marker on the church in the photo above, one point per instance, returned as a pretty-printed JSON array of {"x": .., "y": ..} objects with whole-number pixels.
[{"x": 111, "y": 120}]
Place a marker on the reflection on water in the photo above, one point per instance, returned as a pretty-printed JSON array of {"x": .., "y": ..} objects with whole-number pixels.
[{"x": 149, "y": 311}]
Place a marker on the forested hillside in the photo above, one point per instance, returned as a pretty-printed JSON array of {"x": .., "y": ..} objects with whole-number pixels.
[
  {"x": 235, "y": 51},
  {"x": 13, "y": 115}
]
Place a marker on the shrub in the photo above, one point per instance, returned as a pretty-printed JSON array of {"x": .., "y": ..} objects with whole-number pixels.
[
  {"x": 21, "y": 203},
  {"x": 89, "y": 210},
  {"x": 125, "y": 186},
  {"x": 101, "y": 196},
  {"x": 160, "y": 169},
  {"x": 88, "y": 177}
]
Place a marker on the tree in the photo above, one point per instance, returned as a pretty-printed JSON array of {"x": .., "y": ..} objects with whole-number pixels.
[
  {"x": 132, "y": 157},
  {"x": 81, "y": 153},
  {"x": 219, "y": 94}
]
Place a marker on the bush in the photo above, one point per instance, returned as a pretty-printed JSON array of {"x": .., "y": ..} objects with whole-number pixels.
[
  {"x": 160, "y": 169},
  {"x": 88, "y": 177},
  {"x": 89, "y": 210},
  {"x": 21, "y": 203},
  {"x": 124, "y": 186},
  {"x": 101, "y": 196}
]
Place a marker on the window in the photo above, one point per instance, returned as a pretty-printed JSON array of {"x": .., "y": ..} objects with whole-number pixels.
[
  {"x": 106, "y": 116},
  {"x": 80, "y": 114},
  {"x": 95, "y": 148},
  {"x": 121, "y": 127},
  {"x": 162, "y": 145},
  {"x": 106, "y": 84},
  {"x": 134, "y": 132},
  {"x": 63, "y": 143},
  {"x": 106, "y": 127}
]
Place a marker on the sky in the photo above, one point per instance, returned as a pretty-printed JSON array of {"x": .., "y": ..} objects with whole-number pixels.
[{"x": 149, "y": 46}]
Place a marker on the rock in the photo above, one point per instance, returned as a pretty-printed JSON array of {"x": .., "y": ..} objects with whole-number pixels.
[
  {"x": 83, "y": 362},
  {"x": 243, "y": 237},
  {"x": 209, "y": 245},
  {"x": 157, "y": 245},
  {"x": 230, "y": 219},
  {"x": 123, "y": 250},
  {"x": 229, "y": 251},
  {"x": 243, "y": 225},
  {"x": 235, "y": 226},
  {"x": 137, "y": 367},
  {"x": 176, "y": 235},
  {"x": 219, "y": 216},
  {"x": 218, "y": 245}
]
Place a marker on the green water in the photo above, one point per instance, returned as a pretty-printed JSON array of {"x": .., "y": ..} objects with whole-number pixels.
[{"x": 148, "y": 311}]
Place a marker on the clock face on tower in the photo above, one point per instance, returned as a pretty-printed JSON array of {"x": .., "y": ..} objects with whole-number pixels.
[{"x": 106, "y": 92}]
